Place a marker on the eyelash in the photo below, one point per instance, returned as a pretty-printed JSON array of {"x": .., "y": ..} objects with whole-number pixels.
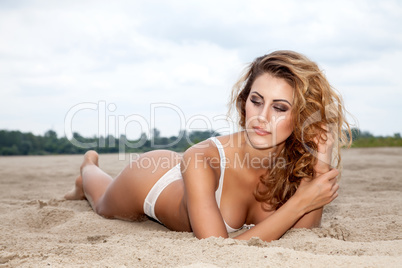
[
  {"x": 256, "y": 103},
  {"x": 280, "y": 109},
  {"x": 277, "y": 108}
]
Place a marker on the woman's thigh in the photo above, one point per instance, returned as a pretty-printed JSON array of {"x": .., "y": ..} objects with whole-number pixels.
[{"x": 124, "y": 198}]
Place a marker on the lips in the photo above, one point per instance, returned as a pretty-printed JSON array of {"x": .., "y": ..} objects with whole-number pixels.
[{"x": 260, "y": 131}]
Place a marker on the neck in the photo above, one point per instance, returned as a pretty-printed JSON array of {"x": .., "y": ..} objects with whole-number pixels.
[{"x": 260, "y": 159}]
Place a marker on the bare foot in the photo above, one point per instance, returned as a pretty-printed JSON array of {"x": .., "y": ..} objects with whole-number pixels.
[{"x": 77, "y": 193}]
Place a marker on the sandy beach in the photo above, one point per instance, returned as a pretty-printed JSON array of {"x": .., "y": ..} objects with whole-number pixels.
[{"x": 38, "y": 228}]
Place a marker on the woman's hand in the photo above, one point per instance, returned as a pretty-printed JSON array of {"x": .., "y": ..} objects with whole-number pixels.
[
  {"x": 316, "y": 193},
  {"x": 310, "y": 196}
]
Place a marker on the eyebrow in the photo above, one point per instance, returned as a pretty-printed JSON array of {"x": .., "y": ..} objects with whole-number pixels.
[{"x": 276, "y": 100}]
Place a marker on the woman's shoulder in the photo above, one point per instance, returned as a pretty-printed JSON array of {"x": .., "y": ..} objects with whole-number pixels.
[
  {"x": 200, "y": 161},
  {"x": 203, "y": 149},
  {"x": 210, "y": 147}
]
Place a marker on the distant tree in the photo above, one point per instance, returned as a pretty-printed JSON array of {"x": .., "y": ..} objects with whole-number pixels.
[
  {"x": 51, "y": 134},
  {"x": 156, "y": 133},
  {"x": 25, "y": 147},
  {"x": 11, "y": 150}
]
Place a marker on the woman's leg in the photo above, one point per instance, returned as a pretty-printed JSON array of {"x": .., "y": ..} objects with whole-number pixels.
[
  {"x": 122, "y": 197},
  {"x": 92, "y": 182},
  {"x": 106, "y": 196}
]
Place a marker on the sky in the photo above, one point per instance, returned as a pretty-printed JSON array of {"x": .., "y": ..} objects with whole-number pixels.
[{"x": 124, "y": 67}]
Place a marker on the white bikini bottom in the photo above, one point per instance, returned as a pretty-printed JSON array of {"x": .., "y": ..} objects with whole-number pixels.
[{"x": 172, "y": 175}]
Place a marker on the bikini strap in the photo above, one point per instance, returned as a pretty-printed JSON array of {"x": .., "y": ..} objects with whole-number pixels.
[{"x": 218, "y": 192}]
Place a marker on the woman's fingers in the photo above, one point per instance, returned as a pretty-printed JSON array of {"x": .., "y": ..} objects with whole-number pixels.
[
  {"x": 330, "y": 175},
  {"x": 334, "y": 191},
  {"x": 328, "y": 183},
  {"x": 331, "y": 179},
  {"x": 335, "y": 195},
  {"x": 335, "y": 187}
]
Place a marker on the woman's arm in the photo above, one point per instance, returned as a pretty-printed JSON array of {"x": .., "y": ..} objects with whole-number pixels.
[
  {"x": 310, "y": 196},
  {"x": 200, "y": 184},
  {"x": 310, "y": 220},
  {"x": 325, "y": 144}
]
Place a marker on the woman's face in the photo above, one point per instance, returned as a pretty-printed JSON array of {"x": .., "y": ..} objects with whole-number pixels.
[{"x": 268, "y": 112}]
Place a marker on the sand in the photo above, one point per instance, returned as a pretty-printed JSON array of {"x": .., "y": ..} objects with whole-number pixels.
[{"x": 38, "y": 228}]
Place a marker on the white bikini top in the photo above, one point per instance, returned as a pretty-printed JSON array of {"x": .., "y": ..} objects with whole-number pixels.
[{"x": 218, "y": 193}]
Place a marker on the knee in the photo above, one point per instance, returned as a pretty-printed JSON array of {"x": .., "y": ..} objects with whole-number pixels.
[{"x": 102, "y": 210}]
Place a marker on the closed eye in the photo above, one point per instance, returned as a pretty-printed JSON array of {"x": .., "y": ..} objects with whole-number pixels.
[
  {"x": 280, "y": 108},
  {"x": 256, "y": 103}
]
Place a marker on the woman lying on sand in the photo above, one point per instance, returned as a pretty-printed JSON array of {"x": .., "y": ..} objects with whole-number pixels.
[{"x": 275, "y": 174}]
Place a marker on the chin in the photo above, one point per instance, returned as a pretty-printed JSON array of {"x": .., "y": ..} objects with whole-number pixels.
[{"x": 260, "y": 142}]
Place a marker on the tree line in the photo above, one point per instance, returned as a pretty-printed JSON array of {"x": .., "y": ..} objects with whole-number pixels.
[
  {"x": 366, "y": 139},
  {"x": 19, "y": 143}
]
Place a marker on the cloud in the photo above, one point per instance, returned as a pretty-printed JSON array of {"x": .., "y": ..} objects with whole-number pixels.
[{"x": 133, "y": 53}]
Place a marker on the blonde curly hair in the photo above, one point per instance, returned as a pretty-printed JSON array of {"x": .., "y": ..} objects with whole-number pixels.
[{"x": 317, "y": 109}]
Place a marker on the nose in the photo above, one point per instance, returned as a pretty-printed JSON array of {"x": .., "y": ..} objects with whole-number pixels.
[
  {"x": 263, "y": 116},
  {"x": 262, "y": 119}
]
